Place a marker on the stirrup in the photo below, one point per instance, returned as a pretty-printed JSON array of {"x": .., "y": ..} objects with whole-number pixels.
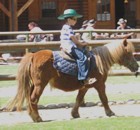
[{"x": 89, "y": 81}]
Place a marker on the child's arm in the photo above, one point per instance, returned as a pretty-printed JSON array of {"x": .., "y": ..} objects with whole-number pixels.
[{"x": 77, "y": 42}]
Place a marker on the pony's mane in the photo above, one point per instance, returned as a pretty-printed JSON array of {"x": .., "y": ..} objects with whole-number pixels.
[{"x": 110, "y": 54}]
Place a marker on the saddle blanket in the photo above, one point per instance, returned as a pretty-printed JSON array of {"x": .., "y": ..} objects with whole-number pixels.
[
  {"x": 63, "y": 65},
  {"x": 68, "y": 66}
]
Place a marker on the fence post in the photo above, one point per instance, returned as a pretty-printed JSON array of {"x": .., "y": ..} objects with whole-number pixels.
[{"x": 27, "y": 40}]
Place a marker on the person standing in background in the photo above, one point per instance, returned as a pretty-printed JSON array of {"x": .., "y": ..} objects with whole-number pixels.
[
  {"x": 84, "y": 25},
  {"x": 33, "y": 27},
  {"x": 122, "y": 25},
  {"x": 91, "y": 25}
]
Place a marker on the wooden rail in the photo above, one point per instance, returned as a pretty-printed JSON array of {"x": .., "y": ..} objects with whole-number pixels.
[
  {"x": 80, "y": 31},
  {"x": 55, "y": 45},
  {"x": 7, "y": 77}
]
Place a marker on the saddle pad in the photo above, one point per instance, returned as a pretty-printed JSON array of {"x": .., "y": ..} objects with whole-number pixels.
[{"x": 64, "y": 66}]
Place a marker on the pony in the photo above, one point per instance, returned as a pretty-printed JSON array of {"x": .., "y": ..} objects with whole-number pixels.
[{"x": 36, "y": 71}]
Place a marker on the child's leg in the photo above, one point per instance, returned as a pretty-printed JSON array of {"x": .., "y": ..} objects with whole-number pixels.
[{"x": 82, "y": 63}]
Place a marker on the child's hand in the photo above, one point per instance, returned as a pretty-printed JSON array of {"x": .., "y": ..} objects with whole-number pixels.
[{"x": 84, "y": 43}]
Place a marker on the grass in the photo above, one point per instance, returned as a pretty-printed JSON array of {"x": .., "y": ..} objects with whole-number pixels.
[
  {"x": 6, "y": 84},
  {"x": 120, "y": 123},
  {"x": 123, "y": 80},
  {"x": 8, "y": 69}
]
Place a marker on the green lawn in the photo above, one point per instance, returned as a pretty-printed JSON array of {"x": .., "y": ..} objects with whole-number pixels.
[
  {"x": 119, "y": 123},
  {"x": 8, "y": 69}
]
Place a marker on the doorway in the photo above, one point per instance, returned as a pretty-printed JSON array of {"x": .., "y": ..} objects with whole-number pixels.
[{"x": 119, "y": 10}]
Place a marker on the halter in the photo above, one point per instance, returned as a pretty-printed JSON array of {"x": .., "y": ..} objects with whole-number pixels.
[{"x": 129, "y": 63}]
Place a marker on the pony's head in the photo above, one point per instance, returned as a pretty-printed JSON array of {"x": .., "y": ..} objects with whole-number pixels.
[
  {"x": 123, "y": 54},
  {"x": 128, "y": 60}
]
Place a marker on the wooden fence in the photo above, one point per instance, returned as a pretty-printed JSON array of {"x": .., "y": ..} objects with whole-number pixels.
[{"x": 24, "y": 46}]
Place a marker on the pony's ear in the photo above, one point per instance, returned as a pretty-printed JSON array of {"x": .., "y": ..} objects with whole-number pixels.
[{"x": 125, "y": 42}]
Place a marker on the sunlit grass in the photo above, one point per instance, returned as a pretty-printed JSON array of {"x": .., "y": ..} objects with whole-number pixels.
[
  {"x": 120, "y": 123},
  {"x": 8, "y": 69}
]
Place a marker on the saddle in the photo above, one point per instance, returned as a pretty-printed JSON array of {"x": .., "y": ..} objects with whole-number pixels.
[
  {"x": 65, "y": 63},
  {"x": 66, "y": 56}
]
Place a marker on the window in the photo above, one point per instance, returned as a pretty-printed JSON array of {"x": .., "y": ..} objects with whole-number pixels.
[
  {"x": 103, "y": 10},
  {"x": 48, "y": 8}
]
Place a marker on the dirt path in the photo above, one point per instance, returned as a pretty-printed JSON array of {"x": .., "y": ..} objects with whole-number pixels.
[{"x": 64, "y": 114}]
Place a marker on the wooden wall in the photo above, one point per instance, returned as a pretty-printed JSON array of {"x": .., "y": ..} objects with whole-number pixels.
[
  {"x": 4, "y": 23},
  {"x": 85, "y": 7},
  {"x": 23, "y": 18}
]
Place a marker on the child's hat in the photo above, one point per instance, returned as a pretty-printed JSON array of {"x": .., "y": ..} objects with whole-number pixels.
[{"x": 69, "y": 13}]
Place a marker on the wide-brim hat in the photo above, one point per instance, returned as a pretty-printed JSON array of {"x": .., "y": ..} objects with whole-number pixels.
[
  {"x": 91, "y": 22},
  {"x": 69, "y": 13},
  {"x": 121, "y": 20},
  {"x": 85, "y": 23}
]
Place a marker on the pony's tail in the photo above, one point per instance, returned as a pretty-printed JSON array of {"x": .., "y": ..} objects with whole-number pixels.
[{"x": 24, "y": 84}]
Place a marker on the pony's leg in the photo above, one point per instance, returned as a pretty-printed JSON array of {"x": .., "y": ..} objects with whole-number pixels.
[
  {"x": 33, "y": 108},
  {"x": 101, "y": 91},
  {"x": 79, "y": 101}
]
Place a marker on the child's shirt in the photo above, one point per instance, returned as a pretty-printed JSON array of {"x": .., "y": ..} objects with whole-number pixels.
[{"x": 65, "y": 37}]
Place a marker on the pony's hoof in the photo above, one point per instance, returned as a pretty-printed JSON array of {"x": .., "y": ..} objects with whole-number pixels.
[
  {"x": 75, "y": 115},
  {"x": 110, "y": 113},
  {"x": 39, "y": 119}
]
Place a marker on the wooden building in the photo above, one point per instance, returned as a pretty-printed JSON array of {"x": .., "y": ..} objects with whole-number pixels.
[{"x": 15, "y": 14}]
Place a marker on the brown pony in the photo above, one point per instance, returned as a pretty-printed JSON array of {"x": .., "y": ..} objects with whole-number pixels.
[{"x": 36, "y": 71}]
